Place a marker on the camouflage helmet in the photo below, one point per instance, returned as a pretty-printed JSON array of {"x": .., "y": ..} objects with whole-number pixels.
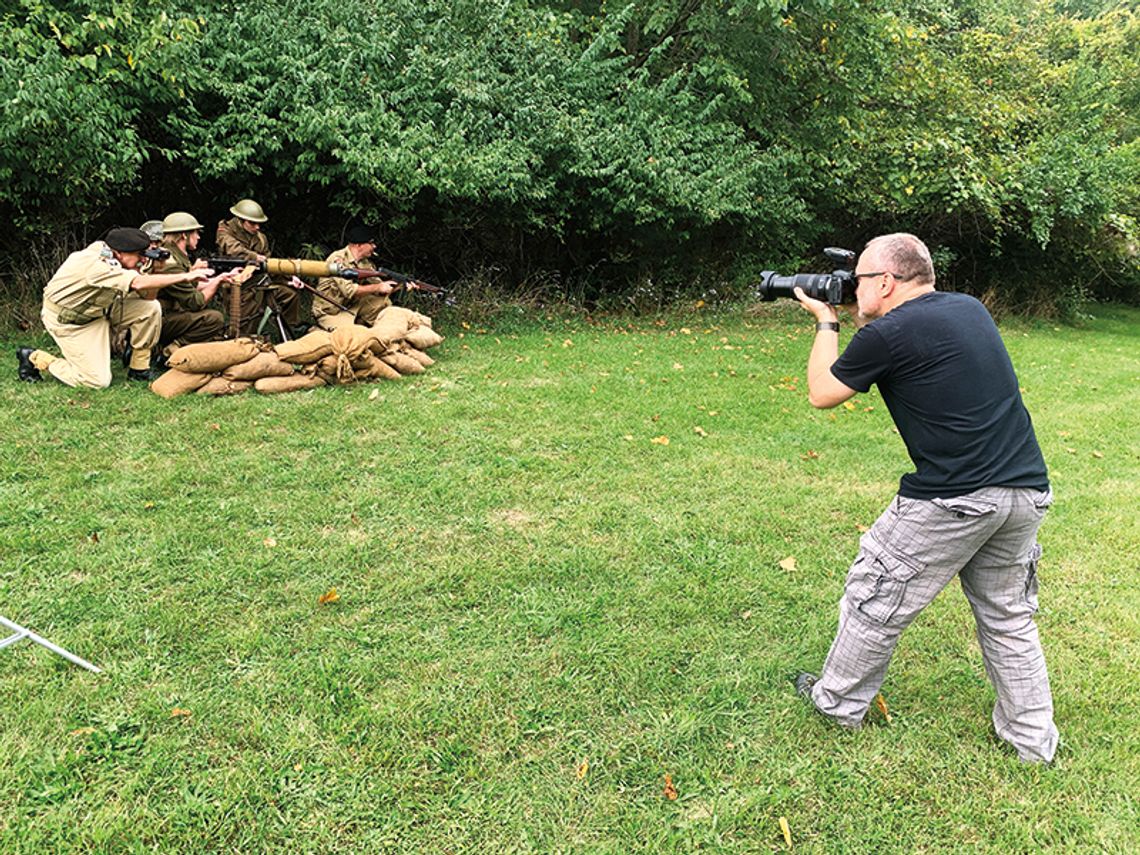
[
  {"x": 180, "y": 221},
  {"x": 153, "y": 229},
  {"x": 248, "y": 209}
]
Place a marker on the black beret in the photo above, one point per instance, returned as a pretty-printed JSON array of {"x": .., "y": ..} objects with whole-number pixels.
[
  {"x": 361, "y": 234},
  {"x": 127, "y": 240}
]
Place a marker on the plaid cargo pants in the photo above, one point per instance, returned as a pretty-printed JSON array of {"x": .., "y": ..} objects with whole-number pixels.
[{"x": 988, "y": 539}]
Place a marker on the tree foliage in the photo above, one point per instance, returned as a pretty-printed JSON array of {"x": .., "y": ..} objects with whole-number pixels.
[{"x": 680, "y": 142}]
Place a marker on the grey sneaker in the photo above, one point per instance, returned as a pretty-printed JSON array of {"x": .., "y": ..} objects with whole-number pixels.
[{"x": 804, "y": 681}]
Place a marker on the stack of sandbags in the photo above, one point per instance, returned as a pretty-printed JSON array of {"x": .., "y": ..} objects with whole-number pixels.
[
  {"x": 391, "y": 347},
  {"x": 226, "y": 368},
  {"x": 402, "y": 337}
]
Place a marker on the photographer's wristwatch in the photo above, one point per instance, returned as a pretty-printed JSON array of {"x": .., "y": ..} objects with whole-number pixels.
[{"x": 827, "y": 325}]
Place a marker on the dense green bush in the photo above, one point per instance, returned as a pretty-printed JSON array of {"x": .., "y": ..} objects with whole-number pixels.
[{"x": 665, "y": 147}]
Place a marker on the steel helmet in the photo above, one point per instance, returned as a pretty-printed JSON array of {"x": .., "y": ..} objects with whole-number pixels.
[
  {"x": 248, "y": 209},
  {"x": 180, "y": 221},
  {"x": 153, "y": 229}
]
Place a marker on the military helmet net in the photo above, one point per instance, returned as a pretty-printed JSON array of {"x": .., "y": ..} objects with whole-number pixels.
[
  {"x": 248, "y": 209},
  {"x": 153, "y": 229},
  {"x": 180, "y": 221}
]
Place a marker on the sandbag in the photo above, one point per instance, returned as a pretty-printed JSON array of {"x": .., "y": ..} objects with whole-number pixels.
[
  {"x": 174, "y": 383},
  {"x": 309, "y": 348},
  {"x": 369, "y": 367},
  {"x": 348, "y": 343},
  {"x": 210, "y": 357},
  {"x": 326, "y": 370},
  {"x": 351, "y": 341},
  {"x": 363, "y": 362},
  {"x": 391, "y": 324},
  {"x": 418, "y": 355},
  {"x": 422, "y": 338},
  {"x": 266, "y": 364},
  {"x": 219, "y": 386},
  {"x": 402, "y": 362},
  {"x": 380, "y": 370},
  {"x": 294, "y": 383}
]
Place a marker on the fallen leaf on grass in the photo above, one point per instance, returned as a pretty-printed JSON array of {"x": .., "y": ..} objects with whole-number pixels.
[
  {"x": 1098, "y": 455},
  {"x": 810, "y": 455},
  {"x": 699, "y": 431},
  {"x": 93, "y": 537},
  {"x": 178, "y": 712},
  {"x": 788, "y": 563},
  {"x": 786, "y": 830},
  {"x": 628, "y": 437},
  {"x": 329, "y": 596},
  {"x": 670, "y": 791},
  {"x": 660, "y": 440},
  {"x": 82, "y": 731},
  {"x": 583, "y": 768},
  {"x": 270, "y": 542},
  {"x": 677, "y": 366},
  {"x": 847, "y": 405},
  {"x": 881, "y": 706},
  {"x": 374, "y": 395}
]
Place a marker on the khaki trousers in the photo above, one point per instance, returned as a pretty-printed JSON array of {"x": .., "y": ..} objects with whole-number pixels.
[
  {"x": 336, "y": 322},
  {"x": 86, "y": 348}
]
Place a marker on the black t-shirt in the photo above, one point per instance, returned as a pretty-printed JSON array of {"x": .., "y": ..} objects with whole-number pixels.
[{"x": 948, "y": 382}]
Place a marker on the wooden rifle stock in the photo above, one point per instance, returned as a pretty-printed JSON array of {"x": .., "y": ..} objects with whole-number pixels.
[{"x": 410, "y": 283}]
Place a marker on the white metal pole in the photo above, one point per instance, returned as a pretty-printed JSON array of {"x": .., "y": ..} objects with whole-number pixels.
[{"x": 23, "y": 632}]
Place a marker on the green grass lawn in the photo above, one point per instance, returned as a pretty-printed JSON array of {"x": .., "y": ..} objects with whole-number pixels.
[{"x": 542, "y": 610}]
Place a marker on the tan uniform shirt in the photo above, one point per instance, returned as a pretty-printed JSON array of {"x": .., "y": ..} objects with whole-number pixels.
[
  {"x": 344, "y": 291},
  {"x": 87, "y": 284},
  {"x": 185, "y": 296}
]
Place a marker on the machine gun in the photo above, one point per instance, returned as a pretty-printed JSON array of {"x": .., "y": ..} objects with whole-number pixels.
[{"x": 305, "y": 268}]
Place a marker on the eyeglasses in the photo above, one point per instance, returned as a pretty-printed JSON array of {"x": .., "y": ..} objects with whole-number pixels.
[{"x": 859, "y": 276}]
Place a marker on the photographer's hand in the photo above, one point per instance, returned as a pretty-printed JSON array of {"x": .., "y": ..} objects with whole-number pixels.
[
  {"x": 824, "y": 312},
  {"x": 824, "y": 389}
]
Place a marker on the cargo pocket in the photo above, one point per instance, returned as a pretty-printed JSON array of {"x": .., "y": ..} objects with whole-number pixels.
[
  {"x": 1031, "y": 577},
  {"x": 966, "y": 506},
  {"x": 877, "y": 584}
]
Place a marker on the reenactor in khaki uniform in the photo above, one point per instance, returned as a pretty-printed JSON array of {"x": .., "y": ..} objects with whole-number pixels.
[
  {"x": 85, "y": 297},
  {"x": 120, "y": 336},
  {"x": 241, "y": 237},
  {"x": 364, "y": 301},
  {"x": 185, "y": 318}
]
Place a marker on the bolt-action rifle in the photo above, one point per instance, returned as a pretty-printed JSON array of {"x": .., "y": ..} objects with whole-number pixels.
[{"x": 408, "y": 283}]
